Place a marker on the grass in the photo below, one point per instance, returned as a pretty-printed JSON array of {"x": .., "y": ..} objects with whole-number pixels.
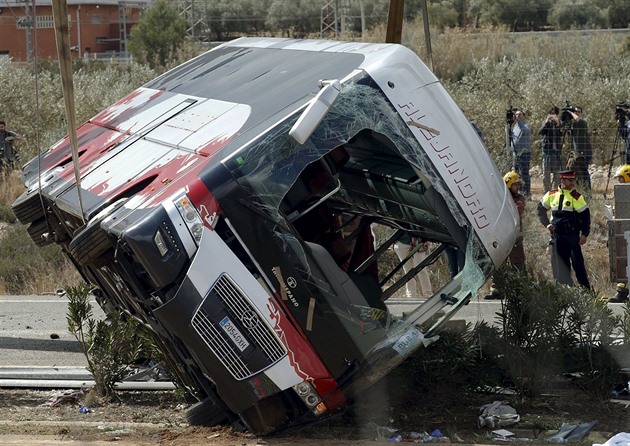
[{"x": 25, "y": 268}]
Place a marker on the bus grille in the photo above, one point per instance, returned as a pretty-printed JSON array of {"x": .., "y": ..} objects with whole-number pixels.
[{"x": 256, "y": 330}]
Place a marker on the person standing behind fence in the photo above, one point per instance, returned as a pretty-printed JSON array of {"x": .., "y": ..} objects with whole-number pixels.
[
  {"x": 455, "y": 258},
  {"x": 522, "y": 149},
  {"x": 551, "y": 145},
  {"x": 420, "y": 284},
  {"x": 581, "y": 147},
  {"x": 7, "y": 152},
  {"x": 569, "y": 226}
]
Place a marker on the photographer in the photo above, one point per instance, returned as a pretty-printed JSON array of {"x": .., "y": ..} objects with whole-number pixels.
[
  {"x": 581, "y": 147},
  {"x": 551, "y": 143},
  {"x": 8, "y": 154},
  {"x": 521, "y": 149}
]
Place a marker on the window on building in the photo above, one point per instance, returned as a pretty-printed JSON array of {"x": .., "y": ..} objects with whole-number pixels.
[
  {"x": 97, "y": 19},
  {"x": 43, "y": 21}
]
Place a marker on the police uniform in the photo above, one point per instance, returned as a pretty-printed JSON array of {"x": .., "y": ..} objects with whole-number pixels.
[{"x": 570, "y": 219}]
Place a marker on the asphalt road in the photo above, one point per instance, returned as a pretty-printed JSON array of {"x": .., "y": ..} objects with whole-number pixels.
[{"x": 34, "y": 332}]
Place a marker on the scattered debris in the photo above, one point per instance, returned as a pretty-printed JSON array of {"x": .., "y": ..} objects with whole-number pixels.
[
  {"x": 420, "y": 437},
  {"x": 625, "y": 403},
  {"x": 383, "y": 432},
  {"x": 68, "y": 397},
  {"x": 496, "y": 390},
  {"x": 503, "y": 433},
  {"x": 620, "y": 439},
  {"x": 106, "y": 430},
  {"x": 147, "y": 370},
  {"x": 620, "y": 390},
  {"x": 84, "y": 409},
  {"x": 572, "y": 432},
  {"x": 497, "y": 414}
]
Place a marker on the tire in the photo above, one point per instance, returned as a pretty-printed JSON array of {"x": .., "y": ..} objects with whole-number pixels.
[
  {"x": 90, "y": 245},
  {"x": 36, "y": 230},
  {"x": 206, "y": 413},
  {"x": 28, "y": 208}
]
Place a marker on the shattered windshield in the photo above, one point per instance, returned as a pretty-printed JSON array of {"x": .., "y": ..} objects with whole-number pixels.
[{"x": 270, "y": 167}]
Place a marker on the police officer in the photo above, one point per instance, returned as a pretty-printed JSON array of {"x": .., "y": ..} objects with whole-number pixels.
[
  {"x": 622, "y": 175},
  {"x": 569, "y": 227}
]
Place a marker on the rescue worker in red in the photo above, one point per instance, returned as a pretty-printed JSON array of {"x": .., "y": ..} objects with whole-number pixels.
[{"x": 570, "y": 225}]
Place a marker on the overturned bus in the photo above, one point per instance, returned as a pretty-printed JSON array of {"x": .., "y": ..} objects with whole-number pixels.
[{"x": 228, "y": 206}]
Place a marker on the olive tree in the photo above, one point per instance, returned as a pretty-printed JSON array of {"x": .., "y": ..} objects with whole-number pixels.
[
  {"x": 567, "y": 14},
  {"x": 619, "y": 14},
  {"x": 294, "y": 18},
  {"x": 516, "y": 14},
  {"x": 227, "y": 17},
  {"x": 442, "y": 14},
  {"x": 158, "y": 35}
]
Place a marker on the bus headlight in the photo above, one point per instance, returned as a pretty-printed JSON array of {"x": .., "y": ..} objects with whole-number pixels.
[
  {"x": 191, "y": 217},
  {"x": 307, "y": 393}
]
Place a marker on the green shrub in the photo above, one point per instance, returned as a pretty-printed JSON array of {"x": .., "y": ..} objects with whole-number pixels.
[
  {"x": 543, "y": 333},
  {"x": 456, "y": 362},
  {"x": 547, "y": 330},
  {"x": 109, "y": 346}
]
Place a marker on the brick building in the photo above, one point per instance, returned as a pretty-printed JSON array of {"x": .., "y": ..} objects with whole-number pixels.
[{"x": 96, "y": 27}]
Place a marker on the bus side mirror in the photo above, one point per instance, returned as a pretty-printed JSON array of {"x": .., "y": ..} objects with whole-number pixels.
[{"x": 315, "y": 112}]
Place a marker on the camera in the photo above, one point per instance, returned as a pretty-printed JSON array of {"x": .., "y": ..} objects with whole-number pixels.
[
  {"x": 509, "y": 115},
  {"x": 621, "y": 113},
  {"x": 566, "y": 117}
]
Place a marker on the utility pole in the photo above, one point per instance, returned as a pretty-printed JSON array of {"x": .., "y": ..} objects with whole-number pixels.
[
  {"x": 197, "y": 29},
  {"x": 328, "y": 19},
  {"x": 27, "y": 23},
  {"x": 122, "y": 29},
  {"x": 427, "y": 33},
  {"x": 395, "y": 21},
  {"x": 362, "y": 18}
]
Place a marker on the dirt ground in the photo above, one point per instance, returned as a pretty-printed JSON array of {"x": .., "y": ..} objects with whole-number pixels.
[
  {"x": 44, "y": 417},
  {"x": 33, "y": 417},
  {"x": 48, "y": 417}
]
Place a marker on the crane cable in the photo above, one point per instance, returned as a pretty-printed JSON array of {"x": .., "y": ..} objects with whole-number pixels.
[
  {"x": 38, "y": 117},
  {"x": 62, "y": 37}
]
